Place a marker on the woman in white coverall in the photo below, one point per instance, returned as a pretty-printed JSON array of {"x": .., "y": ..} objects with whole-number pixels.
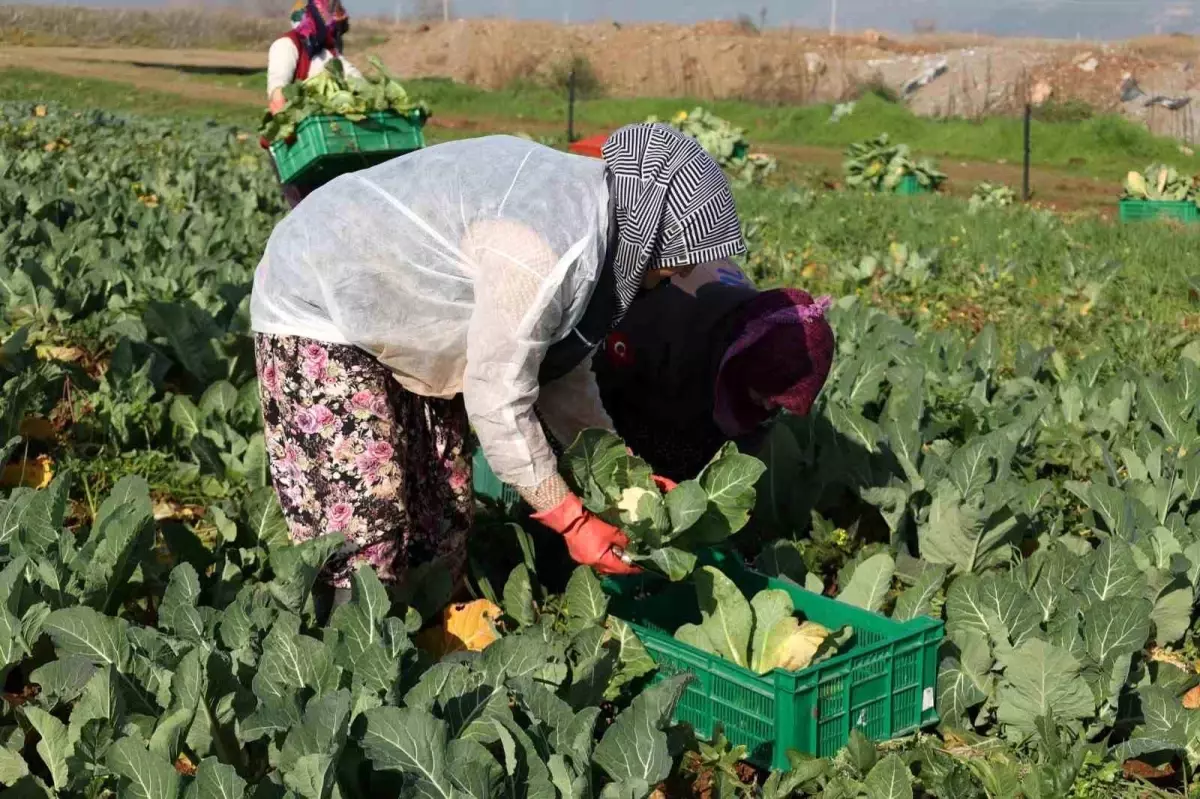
[{"x": 464, "y": 285}]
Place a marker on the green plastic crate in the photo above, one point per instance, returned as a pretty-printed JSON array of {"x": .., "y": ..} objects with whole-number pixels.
[
  {"x": 909, "y": 185},
  {"x": 884, "y": 682},
  {"x": 487, "y": 484},
  {"x": 1139, "y": 210},
  {"x": 328, "y": 146}
]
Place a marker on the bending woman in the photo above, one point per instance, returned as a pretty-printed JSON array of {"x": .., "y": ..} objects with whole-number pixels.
[
  {"x": 709, "y": 359},
  {"x": 464, "y": 285}
]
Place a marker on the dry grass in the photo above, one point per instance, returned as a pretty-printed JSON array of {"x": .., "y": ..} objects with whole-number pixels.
[
  {"x": 66, "y": 26},
  {"x": 1181, "y": 47},
  {"x": 786, "y": 80}
]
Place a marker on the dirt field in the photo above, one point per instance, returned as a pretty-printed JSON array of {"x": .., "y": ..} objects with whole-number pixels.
[
  {"x": 151, "y": 69},
  {"x": 143, "y": 68},
  {"x": 975, "y": 75},
  {"x": 710, "y": 60},
  {"x": 723, "y": 60}
]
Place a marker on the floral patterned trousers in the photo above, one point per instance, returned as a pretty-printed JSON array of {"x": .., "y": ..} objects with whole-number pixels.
[{"x": 354, "y": 453}]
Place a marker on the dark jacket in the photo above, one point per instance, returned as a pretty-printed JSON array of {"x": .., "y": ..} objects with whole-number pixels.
[{"x": 657, "y": 371}]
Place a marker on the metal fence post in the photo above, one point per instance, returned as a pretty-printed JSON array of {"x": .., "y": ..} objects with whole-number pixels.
[
  {"x": 1028, "y": 149},
  {"x": 571, "y": 106}
]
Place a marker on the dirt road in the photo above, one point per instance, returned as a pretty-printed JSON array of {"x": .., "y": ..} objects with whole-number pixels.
[{"x": 155, "y": 70}]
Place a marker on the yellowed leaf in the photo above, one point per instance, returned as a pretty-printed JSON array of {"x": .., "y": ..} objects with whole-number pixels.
[
  {"x": 169, "y": 509},
  {"x": 37, "y": 428},
  {"x": 66, "y": 354},
  {"x": 469, "y": 626},
  {"x": 30, "y": 472},
  {"x": 797, "y": 645},
  {"x": 1160, "y": 655}
]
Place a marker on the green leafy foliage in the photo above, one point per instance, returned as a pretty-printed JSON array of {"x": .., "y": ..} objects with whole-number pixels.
[
  {"x": 1159, "y": 182},
  {"x": 760, "y": 635},
  {"x": 245, "y": 684},
  {"x": 333, "y": 92},
  {"x": 726, "y": 143},
  {"x": 879, "y": 165},
  {"x": 1042, "y": 502},
  {"x": 150, "y": 590},
  {"x": 665, "y": 531},
  {"x": 991, "y": 195}
]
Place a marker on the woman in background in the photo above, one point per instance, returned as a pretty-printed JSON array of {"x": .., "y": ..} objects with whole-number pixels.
[{"x": 314, "y": 40}]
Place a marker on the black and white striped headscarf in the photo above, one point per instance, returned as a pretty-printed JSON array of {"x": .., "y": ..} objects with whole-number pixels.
[{"x": 673, "y": 206}]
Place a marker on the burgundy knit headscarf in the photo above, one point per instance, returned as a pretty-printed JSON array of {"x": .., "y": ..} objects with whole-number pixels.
[{"x": 780, "y": 356}]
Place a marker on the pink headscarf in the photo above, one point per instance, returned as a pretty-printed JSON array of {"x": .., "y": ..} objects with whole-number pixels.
[
  {"x": 780, "y": 357},
  {"x": 318, "y": 22}
]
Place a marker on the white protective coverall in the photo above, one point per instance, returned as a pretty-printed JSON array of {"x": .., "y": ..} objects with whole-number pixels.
[{"x": 457, "y": 266}]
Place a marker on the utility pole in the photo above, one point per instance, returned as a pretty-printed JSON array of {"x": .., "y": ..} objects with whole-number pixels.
[
  {"x": 445, "y": 10},
  {"x": 833, "y": 17}
]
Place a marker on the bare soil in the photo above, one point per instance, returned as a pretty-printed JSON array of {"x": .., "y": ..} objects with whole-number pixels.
[
  {"x": 713, "y": 60},
  {"x": 726, "y": 61}
]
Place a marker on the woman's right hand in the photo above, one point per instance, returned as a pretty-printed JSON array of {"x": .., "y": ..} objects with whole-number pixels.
[
  {"x": 277, "y": 102},
  {"x": 590, "y": 540}
]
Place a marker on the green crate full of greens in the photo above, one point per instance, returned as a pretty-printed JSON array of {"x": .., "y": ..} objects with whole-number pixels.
[
  {"x": 333, "y": 124},
  {"x": 1160, "y": 192},
  {"x": 777, "y": 669},
  {"x": 881, "y": 165}
]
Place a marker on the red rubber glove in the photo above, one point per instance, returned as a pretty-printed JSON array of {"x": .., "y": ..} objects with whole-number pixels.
[
  {"x": 665, "y": 484},
  {"x": 589, "y": 539}
]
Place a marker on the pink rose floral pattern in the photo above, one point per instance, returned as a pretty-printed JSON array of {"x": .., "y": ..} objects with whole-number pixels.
[{"x": 354, "y": 453}]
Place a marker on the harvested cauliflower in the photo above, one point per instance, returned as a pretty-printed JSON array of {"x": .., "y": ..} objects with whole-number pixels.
[{"x": 628, "y": 503}]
